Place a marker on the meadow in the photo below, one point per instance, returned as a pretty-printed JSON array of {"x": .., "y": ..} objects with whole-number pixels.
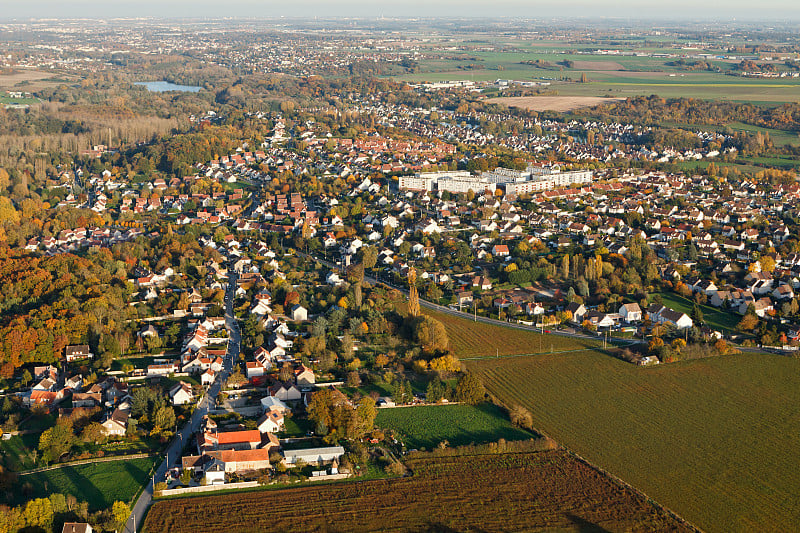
[
  {"x": 100, "y": 484},
  {"x": 548, "y": 490},
  {"x": 711, "y": 439},
  {"x": 427, "y": 426}
]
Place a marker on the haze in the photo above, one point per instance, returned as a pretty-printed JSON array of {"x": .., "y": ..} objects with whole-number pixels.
[{"x": 682, "y": 9}]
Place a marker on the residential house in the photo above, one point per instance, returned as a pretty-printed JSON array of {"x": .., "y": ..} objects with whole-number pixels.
[
  {"x": 76, "y": 527},
  {"x": 630, "y": 312},
  {"x": 116, "y": 424},
  {"x": 304, "y": 376},
  {"x": 181, "y": 393},
  {"x": 77, "y": 351}
]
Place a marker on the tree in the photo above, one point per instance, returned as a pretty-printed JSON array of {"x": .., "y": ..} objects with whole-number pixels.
[
  {"x": 369, "y": 256},
  {"x": 120, "y": 512},
  {"x": 93, "y": 433},
  {"x": 749, "y": 320},
  {"x": 469, "y": 389},
  {"x": 353, "y": 379},
  {"x": 365, "y": 417},
  {"x": 697, "y": 314},
  {"x": 565, "y": 267},
  {"x": 164, "y": 418},
  {"x": 435, "y": 392},
  {"x": 39, "y": 513},
  {"x": 430, "y": 334},
  {"x": 56, "y": 441},
  {"x": 26, "y": 377},
  {"x": 413, "y": 297},
  {"x": 286, "y": 373}
]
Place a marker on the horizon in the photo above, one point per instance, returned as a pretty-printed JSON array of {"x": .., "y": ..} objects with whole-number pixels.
[{"x": 717, "y": 11}]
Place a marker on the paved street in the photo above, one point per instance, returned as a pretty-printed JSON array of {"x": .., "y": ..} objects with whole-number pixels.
[
  {"x": 478, "y": 318},
  {"x": 173, "y": 453}
]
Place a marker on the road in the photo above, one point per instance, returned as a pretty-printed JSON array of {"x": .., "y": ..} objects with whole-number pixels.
[
  {"x": 443, "y": 309},
  {"x": 175, "y": 448}
]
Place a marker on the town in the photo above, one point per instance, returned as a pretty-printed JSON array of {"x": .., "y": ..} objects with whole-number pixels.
[{"x": 327, "y": 266}]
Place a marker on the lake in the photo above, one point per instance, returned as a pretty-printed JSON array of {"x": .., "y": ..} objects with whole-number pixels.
[{"x": 165, "y": 86}]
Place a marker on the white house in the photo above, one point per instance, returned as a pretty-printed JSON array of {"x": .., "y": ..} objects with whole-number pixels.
[
  {"x": 181, "y": 393},
  {"x": 299, "y": 312},
  {"x": 630, "y": 312}
]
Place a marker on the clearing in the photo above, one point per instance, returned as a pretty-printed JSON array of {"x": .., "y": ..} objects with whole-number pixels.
[
  {"x": 711, "y": 439},
  {"x": 424, "y": 427},
  {"x": 551, "y": 103},
  {"x": 549, "y": 491}
]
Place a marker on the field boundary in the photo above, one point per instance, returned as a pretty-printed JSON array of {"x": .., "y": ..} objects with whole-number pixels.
[
  {"x": 627, "y": 485},
  {"x": 109, "y": 459}
]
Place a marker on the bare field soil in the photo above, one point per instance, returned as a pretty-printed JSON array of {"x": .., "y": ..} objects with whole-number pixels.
[
  {"x": 597, "y": 65},
  {"x": 545, "y": 491},
  {"x": 552, "y": 103},
  {"x": 31, "y": 80}
]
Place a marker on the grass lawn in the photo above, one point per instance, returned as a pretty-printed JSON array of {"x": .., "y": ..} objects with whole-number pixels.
[
  {"x": 38, "y": 423},
  {"x": 722, "y": 320},
  {"x": 100, "y": 484},
  {"x": 712, "y": 439},
  {"x": 427, "y": 426},
  {"x": 296, "y": 427},
  {"x": 17, "y": 451}
]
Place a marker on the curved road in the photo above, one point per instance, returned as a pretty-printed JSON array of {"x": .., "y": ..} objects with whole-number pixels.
[
  {"x": 462, "y": 314},
  {"x": 175, "y": 448}
]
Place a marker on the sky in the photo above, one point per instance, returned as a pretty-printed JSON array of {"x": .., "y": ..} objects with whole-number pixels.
[{"x": 694, "y": 10}]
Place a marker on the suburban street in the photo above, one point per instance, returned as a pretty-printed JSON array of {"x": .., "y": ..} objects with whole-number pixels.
[{"x": 175, "y": 448}]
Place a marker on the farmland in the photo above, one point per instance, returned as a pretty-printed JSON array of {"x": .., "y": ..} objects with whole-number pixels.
[
  {"x": 551, "y": 103},
  {"x": 498, "y": 492},
  {"x": 623, "y": 76},
  {"x": 100, "y": 484},
  {"x": 426, "y": 427},
  {"x": 707, "y": 438},
  {"x": 478, "y": 339}
]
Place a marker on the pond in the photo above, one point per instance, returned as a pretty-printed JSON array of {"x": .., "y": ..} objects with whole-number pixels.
[{"x": 165, "y": 86}]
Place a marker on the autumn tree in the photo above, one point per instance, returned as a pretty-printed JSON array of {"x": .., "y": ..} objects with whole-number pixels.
[
  {"x": 430, "y": 334},
  {"x": 469, "y": 389},
  {"x": 413, "y": 296}
]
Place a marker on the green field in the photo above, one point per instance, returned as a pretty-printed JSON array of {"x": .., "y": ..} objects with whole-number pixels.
[
  {"x": 714, "y": 318},
  {"x": 619, "y": 76},
  {"x": 713, "y": 439},
  {"x": 100, "y": 484},
  {"x": 18, "y": 101},
  {"x": 17, "y": 450},
  {"x": 427, "y": 426}
]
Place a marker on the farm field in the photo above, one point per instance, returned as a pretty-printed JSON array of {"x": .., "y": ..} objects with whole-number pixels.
[
  {"x": 618, "y": 76},
  {"x": 724, "y": 321},
  {"x": 100, "y": 484},
  {"x": 478, "y": 339},
  {"x": 28, "y": 80},
  {"x": 707, "y": 438},
  {"x": 551, "y": 103},
  {"x": 427, "y": 426},
  {"x": 549, "y": 491}
]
